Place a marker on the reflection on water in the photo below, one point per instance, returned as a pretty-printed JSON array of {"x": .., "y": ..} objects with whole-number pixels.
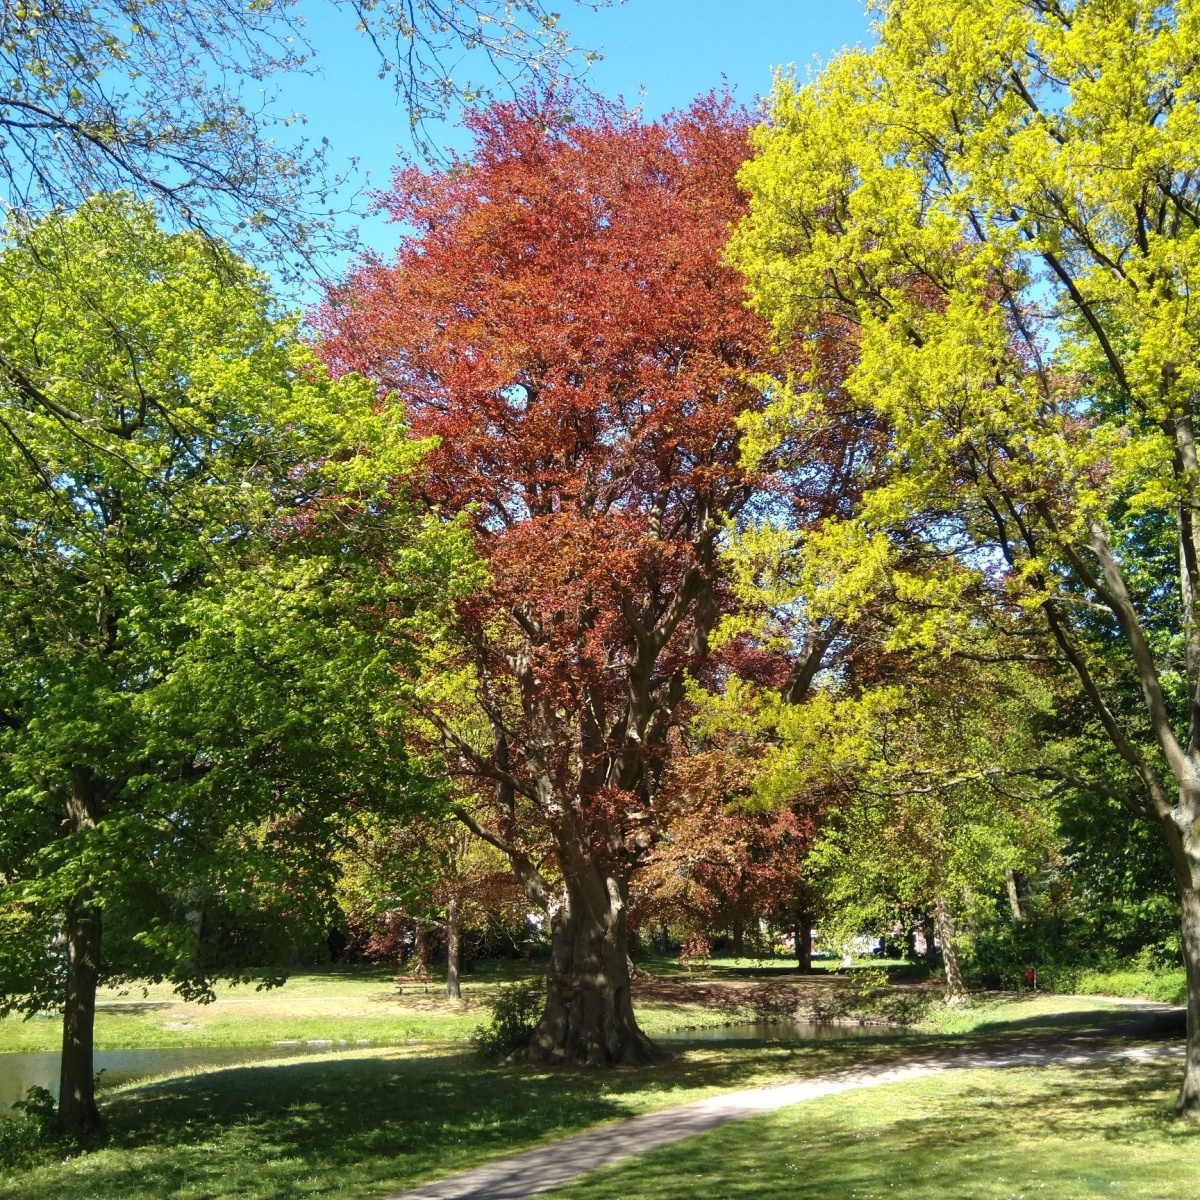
[
  {"x": 774, "y": 1031},
  {"x": 40, "y": 1067}
]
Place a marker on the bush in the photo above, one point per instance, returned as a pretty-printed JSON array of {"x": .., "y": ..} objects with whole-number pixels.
[
  {"x": 23, "y": 1135},
  {"x": 515, "y": 1013}
]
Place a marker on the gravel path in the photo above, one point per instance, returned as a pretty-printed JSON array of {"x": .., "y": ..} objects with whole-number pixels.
[{"x": 548, "y": 1167}]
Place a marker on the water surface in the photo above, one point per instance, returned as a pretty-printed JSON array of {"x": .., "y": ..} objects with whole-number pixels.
[
  {"x": 40, "y": 1067},
  {"x": 775, "y": 1031}
]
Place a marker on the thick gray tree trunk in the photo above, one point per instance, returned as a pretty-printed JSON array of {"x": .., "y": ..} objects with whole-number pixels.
[
  {"x": 1184, "y": 844},
  {"x": 589, "y": 1011},
  {"x": 1188, "y": 1100}
]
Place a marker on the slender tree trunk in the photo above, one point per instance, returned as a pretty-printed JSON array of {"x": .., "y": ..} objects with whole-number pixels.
[
  {"x": 803, "y": 934},
  {"x": 453, "y": 948},
  {"x": 1014, "y": 901},
  {"x": 589, "y": 1012},
  {"x": 77, "y": 1079},
  {"x": 943, "y": 925},
  {"x": 927, "y": 935}
]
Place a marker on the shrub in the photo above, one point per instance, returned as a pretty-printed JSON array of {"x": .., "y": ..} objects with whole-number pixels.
[
  {"x": 21, "y": 1136},
  {"x": 515, "y": 1013}
]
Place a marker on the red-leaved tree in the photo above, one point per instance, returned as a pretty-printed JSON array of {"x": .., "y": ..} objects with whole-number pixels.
[{"x": 561, "y": 318}]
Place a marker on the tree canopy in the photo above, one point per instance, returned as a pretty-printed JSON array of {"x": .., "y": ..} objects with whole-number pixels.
[
  {"x": 210, "y": 587},
  {"x": 1000, "y": 201}
]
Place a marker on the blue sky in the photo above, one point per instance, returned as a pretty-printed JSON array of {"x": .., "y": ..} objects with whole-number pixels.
[{"x": 662, "y": 51}]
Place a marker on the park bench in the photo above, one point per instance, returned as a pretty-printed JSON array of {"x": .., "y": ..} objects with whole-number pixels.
[{"x": 403, "y": 981}]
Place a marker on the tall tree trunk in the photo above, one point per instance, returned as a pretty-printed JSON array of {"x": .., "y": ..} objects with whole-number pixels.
[
  {"x": 1188, "y": 1100},
  {"x": 453, "y": 948},
  {"x": 943, "y": 925},
  {"x": 1014, "y": 901},
  {"x": 803, "y": 933},
  {"x": 1184, "y": 844},
  {"x": 739, "y": 936},
  {"x": 77, "y": 1079},
  {"x": 589, "y": 1012}
]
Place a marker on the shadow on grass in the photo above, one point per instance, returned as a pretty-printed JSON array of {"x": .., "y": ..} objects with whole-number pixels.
[
  {"x": 1096, "y": 1130},
  {"x": 359, "y": 1127}
]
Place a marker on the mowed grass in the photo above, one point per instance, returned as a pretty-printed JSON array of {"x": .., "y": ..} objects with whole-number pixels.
[
  {"x": 349, "y": 1005},
  {"x": 364, "y": 1124},
  {"x": 1064, "y": 1134},
  {"x": 346, "y": 1005}
]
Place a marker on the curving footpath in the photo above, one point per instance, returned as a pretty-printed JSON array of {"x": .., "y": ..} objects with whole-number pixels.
[{"x": 548, "y": 1167}]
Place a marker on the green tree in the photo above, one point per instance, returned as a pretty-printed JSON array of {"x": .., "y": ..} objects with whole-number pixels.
[
  {"x": 1000, "y": 201},
  {"x": 211, "y": 588}
]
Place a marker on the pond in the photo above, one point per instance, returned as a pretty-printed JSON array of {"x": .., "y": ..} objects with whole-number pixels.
[
  {"x": 40, "y": 1067},
  {"x": 776, "y": 1031}
]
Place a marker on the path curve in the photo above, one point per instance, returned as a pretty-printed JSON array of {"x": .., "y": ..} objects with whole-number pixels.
[{"x": 550, "y": 1166}]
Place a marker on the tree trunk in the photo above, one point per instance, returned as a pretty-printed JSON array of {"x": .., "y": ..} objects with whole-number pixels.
[
  {"x": 1188, "y": 1100},
  {"x": 944, "y": 929},
  {"x": 1014, "y": 901},
  {"x": 453, "y": 948},
  {"x": 927, "y": 936},
  {"x": 77, "y": 1094},
  {"x": 803, "y": 933},
  {"x": 1183, "y": 840},
  {"x": 589, "y": 1012},
  {"x": 77, "y": 1080},
  {"x": 739, "y": 936}
]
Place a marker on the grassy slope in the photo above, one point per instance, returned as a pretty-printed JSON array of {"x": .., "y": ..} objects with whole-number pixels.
[{"x": 1075, "y": 1134}]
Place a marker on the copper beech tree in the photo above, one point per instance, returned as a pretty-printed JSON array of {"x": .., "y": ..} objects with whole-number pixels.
[{"x": 561, "y": 318}]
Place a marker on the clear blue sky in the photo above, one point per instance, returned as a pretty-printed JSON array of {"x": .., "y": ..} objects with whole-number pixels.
[{"x": 665, "y": 51}]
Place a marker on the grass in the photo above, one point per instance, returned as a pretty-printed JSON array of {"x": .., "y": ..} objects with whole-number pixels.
[
  {"x": 995, "y": 1013},
  {"x": 1063, "y": 1134},
  {"x": 356, "y": 1126},
  {"x": 350, "y": 1005},
  {"x": 360, "y": 1004},
  {"x": 1168, "y": 985}
]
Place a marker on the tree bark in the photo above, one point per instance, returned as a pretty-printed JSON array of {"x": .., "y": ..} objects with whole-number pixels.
[
  {"x": 1183, "y": 839},
  {"x": 803, "y": 933},
  {"x": 1188, "y": 1100},
  {"x": 944, "y": 929},
  {"x": 453, "y": 948},
  {"x": 1014, "y": 901},
  {"x": 739, "y": 937},
  {"x": 77, "y": 1079},
  {"x": 589, "y": 1011}
]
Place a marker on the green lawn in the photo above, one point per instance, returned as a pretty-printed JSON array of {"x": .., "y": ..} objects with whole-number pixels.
[
  {"x": 359, "y": 1125},
  {"x": 356, "y": 1125},
  {"x": 1069, "y": 1134},
  {"x": 349, "y": 1005}
]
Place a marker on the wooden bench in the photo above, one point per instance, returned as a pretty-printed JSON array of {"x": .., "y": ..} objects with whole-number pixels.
[{"x": 403, "y": 981}]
